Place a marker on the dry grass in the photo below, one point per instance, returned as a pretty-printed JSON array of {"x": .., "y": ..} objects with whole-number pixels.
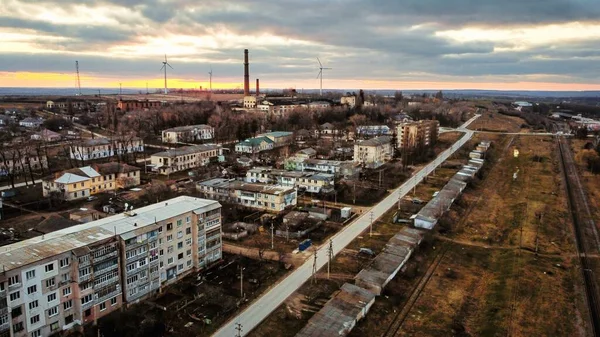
[
  {"x": 590, "y": 181},
  {"x": 493, "y": 121}
]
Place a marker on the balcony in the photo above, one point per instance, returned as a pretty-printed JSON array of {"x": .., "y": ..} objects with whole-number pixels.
[
  {"x": 105, "y": 256},
  {"x": 213, "y": 237},
  {"x": 218, "y": 245},
  {"x": 108, "y": 282},
  {"x": 107, "y": 268},
  {"x": 14, "y": 286},
  {"x": 4, "y": 327},
  {"x": 87, "y": 305},
  {"x": 85, "y": 278},
  {"x": 108, "y": 295}
]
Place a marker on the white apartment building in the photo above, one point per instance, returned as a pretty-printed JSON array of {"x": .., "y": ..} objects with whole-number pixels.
[
  {"x": 103, "y": 148},
  {"x": 71, "y": 277},
  {"x": 189, "y": 133},
  {"x": 184, "y": 158},
  {"x": 373, "y": 152}
]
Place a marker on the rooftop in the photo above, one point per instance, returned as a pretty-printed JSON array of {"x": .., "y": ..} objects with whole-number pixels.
[
  {"x": 188, "y": 128},
  {"x": 182, "y": 151},
  {"x": 260, "y": 188},
  {"x": 29, "y": 251},
  {"x": 278, "y": 134},
  {"x": 255, "y": 141},
  {"x": 377, "y": 141}
]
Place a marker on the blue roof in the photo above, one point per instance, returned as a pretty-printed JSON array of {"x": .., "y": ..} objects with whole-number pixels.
[{"x": 278, "y": 133}]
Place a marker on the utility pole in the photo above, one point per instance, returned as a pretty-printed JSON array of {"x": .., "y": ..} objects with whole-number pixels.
[
  {"x": 371, "y": 227},
  {"x": 330, "y": 256},
  {"x": 272, "y": 236},
  {"x": 314, "y": 269},
  {"x": 120, "y": 89},
  {"x": 238, "y": 328},
  {"x": 241, "y": 282}
]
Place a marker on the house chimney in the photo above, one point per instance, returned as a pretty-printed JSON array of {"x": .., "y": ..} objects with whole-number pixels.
[
  {"x": 257, "y": 88},
  {"x": 246, "y": 74}
]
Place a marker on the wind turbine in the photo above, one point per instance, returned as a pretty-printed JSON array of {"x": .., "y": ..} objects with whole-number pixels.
[
  {"x": 210, "y": 76},
  {"x": 165, "y": 64},
  {"x": 321, "y": 68}
]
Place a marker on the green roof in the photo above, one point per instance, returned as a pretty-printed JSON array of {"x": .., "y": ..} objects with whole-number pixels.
[
  {"x": 278, "y": 133},
  {"x": 255, "y": 141}
]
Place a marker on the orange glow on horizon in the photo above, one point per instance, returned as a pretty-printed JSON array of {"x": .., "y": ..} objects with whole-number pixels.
[{"x": 66, "y": 80}]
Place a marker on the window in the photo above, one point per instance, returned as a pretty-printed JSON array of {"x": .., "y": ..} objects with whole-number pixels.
[
  {"x": 49, "y": 267},
  {"x": 54, "y": 326},
  {"x": 64, "y": 262},
  {"x": 180, "y": 267},
  {"x": 169, "y": 237},
  {"x": 85, "y": 286},
  {"x": 87, "y": 312},
  {"x": 30, "y": 274},
  {"x": 170, "y": 261},
  {"x": 51, "y": 297},
  {"x": 35, "y": 319},
  {"x": 16, "y": 312},
  {"x": 102, "y": 306},
  {"x": 36, "y": 333},
  {"x": 53, "y": 311},
  {"x": 169, "y": 249},
  {"x": 179, "y": 245},
  {"x": 179, "y": 234},
  {"x": 13, "y": 280},
  {"x": 17, "y": 327},
  {"x": 161, "y": 252},
  {"x": 189, "y": 263},
  {"x": 160, "y": 229},
  {"x": 113, "y": 301},
  {"x": 33, "y": 305},
  {"x": 67, "y": 305},
  {"x": 66, "y": 277},
  {"x": 142, "y": 262},
  {"x": 69, "y": 319},
  {"x": 67, "y": 291},
  {"x": 180, "y": 256},
  {"x": 131, "y": 266},
  {"x": 169, "y": 226},
  {"x": 31, "y": 290},
  {"x": 188, "y": 241},
  {"x": 87, "y": 299},
  {"x": 50, "y": 282},
  {"x": 188, "y": 219},
  {"x": 132, "y": 279},
  {"x": 188, "y": 231},
  {"x": 3, "y": 319},
  {"x": 84, "y": 271},
  {"x": 179, "y": 223},
  {"x": 15, "y": 296}
]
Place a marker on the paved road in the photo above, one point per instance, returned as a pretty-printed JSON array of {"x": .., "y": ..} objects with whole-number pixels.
[
  {"x": 8, "y": 187},
  {"x": 263, "y": 306}
]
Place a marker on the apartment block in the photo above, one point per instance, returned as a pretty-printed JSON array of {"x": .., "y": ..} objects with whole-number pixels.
[
  {"x": 103, "y": 148},
  {"x": 21, "y": 161},
  {"x": 309, "y": 181},
  {"x": 82, "y": 182},
  {"x": 188, "y": 133},
  {"x": 419, "y": 134},
  {"x": 74, "y": 276},
  {"x": 184, "y": 158},
  {"x": 374, "y": 152},
  {"x": 271, "y": 198}
]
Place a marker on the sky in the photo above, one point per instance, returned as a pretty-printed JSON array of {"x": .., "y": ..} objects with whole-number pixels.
[{"x": 369, "y": 44}]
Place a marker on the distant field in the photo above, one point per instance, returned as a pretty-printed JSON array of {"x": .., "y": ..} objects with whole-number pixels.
[
  {"x": 188, "y": 97},
  {"x": 493, "y": 121}
]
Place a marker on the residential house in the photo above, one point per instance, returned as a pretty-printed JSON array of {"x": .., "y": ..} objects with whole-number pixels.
[
  {"x": 374, "y": 152},
  {"x": 271, "y": 198},
  {"x": 190, "y": 133},
  {"x": 47, "y": 136},
  {"x": 317, "y": 183},
  {"x": 31, "y": 122},
  {"x": 85, "y": 181},
  {"x": 77, "y": 275},
  {"x": 21, "y": 161},
  {"x": 307, "y": 153},
  {"x": 254, "y": 145},
  {"x": 184, "y": 158},
  {"x": 335, "y": 167},
  {"x": 328, "y": 130},
  {"x": 103, "y": 148}
]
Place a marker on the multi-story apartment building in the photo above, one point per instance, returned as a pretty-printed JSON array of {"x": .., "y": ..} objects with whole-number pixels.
[
  {"x": 104, "y": 148},
  {"x": 18, "y": 161},
  {"x": 184, "y": 158},
  {"x": 335, "y": 167},
  {"x": 373, "y": 152},
  {"x": 71, "y": 277},
  {"x": 189, "y": 133},
  {"x": 271, "y": 198},
  {"x": 413, "y": 135},
  {"x": 311, "y": 182},
  {"x": 82, "y": 182}
]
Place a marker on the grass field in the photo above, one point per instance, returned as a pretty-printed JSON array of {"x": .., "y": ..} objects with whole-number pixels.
[{"x": 496, "y": 122}]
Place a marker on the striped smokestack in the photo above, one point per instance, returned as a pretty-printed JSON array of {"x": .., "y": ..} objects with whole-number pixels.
[
  {"x": 246, "y": 74},
  {"x": 257, "y": 88}
]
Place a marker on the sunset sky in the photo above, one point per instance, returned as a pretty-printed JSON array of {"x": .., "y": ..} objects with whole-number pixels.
[{"x": 370, "y": 44}]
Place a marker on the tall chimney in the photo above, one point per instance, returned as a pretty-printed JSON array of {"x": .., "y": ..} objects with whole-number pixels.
[
  {"x": 257, "y": 88},
  {"x": 246, "y": 74}
]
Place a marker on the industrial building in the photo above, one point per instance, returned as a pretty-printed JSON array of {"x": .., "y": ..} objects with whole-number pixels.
[{"x": 71, "y": 277}]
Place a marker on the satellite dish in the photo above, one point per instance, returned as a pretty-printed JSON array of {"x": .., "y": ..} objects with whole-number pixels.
[{"x": 126, "y": 206}]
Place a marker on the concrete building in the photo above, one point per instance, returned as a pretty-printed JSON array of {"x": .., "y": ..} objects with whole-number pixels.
[
  {"x": 130, "y": 105},
  {"x": 250, "y": 102},
  {"x": 103, "y": 148},
  {"x": 47, "y": 136},
  {"x": 374, "y": 152},
  {"x": 31, "y": 122},
  {"x": 72, "y": 277},
  {"x": 373, "y": 130},
  {"x": 21, "y": 161},
  {"x": 328, "y": 130},
  {"x": 419, "y": 134},
  {"x": 83, "y": 182},
  {"x": 190, "y": 133},
  {"x": 271, "y": 198},
  {"x": 335, "y": 167},
  {"x": 184, "y": 158},
  {"x": 279, "y": 138},
  {"x": 349, "y": 100},
  {"x": 311, "y": 182},
  {"x": 254, "y": 145}
]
